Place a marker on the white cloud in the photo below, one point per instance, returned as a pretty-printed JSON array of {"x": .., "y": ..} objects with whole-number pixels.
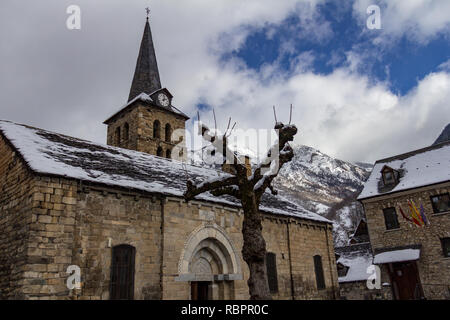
[
  {"x": 342, "y": 113},
  {"x": 418, "y": 20},
  {"x": 69, "y": 82},
  {"x": 445, "y": 66}
]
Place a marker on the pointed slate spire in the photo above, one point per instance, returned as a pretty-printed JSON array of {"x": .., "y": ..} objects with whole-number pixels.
[{"x": 146, "y": 76}]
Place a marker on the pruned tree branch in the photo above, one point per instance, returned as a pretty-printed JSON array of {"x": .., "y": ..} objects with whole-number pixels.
[
  {"x": 228, "y": 155},
  {"x": 265, "y": 180},
  {"x": 230, "y": 190},
  {"x": 273, "y": 164},
  {"x": 249, "y": 191},
  {"x": 194, "y": 190}
]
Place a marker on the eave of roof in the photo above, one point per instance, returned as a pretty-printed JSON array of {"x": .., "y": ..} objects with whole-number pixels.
[
  {"x": 51, "y": 154},
  {"x": 409, "y": 154},
  {"x": 432, "y": 162},
  {"x": 403, "y": 190},
  {"x": 148, "y": 102}
]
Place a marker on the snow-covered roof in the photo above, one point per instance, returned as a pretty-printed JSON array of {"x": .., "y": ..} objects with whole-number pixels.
[
  {"x": 147, "y": 99},
  {"x": 50, "y": 153},
  {"x": 357, "y": 258},
  {"x": 419, "y": 168},
  {"x": 400, "y": 255}
]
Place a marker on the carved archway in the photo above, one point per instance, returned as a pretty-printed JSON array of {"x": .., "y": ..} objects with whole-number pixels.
[{"x": 209, "y": 255}]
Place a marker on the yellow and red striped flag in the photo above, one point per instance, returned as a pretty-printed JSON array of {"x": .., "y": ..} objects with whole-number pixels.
[{"x": 414, "y": 217}]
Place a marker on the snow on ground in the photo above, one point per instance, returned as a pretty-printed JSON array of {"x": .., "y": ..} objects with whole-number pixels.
[
  {"x": 357, "y": 258},
  {"x": 358, "y": 268}
]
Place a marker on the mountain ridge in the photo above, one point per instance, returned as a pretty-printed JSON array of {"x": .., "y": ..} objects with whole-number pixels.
[{"x": 325, "y": 185}]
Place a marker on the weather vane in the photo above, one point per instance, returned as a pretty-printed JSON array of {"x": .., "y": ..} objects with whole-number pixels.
[{"x": 148, "y": 11}]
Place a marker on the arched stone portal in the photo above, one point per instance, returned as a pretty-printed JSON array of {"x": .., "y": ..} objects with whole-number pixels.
[{"x": 210, "y": 259}]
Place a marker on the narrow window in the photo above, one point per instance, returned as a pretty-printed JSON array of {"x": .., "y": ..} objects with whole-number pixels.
[
  {"x": 318, "y": 268},
  {"x": 390, "y": 218},
  {"x": 156, "y": 129},
  {"x": 272, "y": 277},
  {"x": 159, "y": 152},
  {"x": 388, "y": 177},
  {"x": 441, "y": 203},
  {"x": 118, "y": 135},
  {"x": 126, "y": 131},
  {"x": 446, "y": 246},
  {"x": 168, "y": 154},
  {"x": 122, "y": 272},
  {"x": 168, "y": 133}
]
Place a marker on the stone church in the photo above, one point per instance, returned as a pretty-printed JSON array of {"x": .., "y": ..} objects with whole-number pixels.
[{"x": 117, "y": 213}]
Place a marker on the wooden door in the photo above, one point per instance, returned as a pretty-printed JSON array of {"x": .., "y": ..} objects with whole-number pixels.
[
  {"x": 200, "y": 290},
  {"x": 405, "y": 277},
  {"x": 122, "y": 273}
]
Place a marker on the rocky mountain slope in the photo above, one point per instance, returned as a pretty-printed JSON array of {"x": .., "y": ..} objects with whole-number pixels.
[
  {"x": 319, "y": 183},
  {"x": 325, "y": 185}
]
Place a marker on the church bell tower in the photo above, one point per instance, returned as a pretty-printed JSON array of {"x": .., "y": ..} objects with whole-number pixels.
[{"x": 148, "y": 122}]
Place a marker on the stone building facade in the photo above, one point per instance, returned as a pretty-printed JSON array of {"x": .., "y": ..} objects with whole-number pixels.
[
  {"x": 414, "y": 257},
  {"x": 354, "y": 268},
  {"x": 354, "y": 263},
  {"x": 146, "y": 128},
  {"x": 51, "y": 222},
  {"x": 118, "y": 216}
]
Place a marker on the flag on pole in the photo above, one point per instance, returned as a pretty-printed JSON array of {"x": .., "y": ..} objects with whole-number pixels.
[
  {"x": 413, "y": 216},
  {"x": 417, "y": 213},
  {"x": 424, "y": 216}
]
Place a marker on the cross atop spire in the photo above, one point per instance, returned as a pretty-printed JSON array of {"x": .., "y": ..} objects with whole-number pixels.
[
  {"x": 146, "y": 76},
  {"x": 148, "y": 12}
]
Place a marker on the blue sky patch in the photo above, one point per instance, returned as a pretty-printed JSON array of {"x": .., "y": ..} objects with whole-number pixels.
[{"x": 401, "y": 65}]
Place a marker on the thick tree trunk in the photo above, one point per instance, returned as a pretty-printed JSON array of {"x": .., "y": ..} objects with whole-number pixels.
[{"x": 254, "y": 249}]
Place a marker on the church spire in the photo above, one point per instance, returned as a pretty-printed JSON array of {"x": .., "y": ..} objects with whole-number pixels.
[{"x": 146, "y": 76}]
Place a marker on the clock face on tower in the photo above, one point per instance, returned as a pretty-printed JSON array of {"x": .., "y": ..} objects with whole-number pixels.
[{"x": 163, "y": 100}]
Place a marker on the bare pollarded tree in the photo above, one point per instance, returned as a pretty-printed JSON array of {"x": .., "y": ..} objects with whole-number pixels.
[{"x": 248, "y": 189}]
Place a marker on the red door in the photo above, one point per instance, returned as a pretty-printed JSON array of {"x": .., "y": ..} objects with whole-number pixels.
[{"x": 405, "y": 281}]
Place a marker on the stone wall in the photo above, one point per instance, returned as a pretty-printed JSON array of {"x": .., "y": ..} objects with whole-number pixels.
[
  {"x": 37, "y": 223},
  {"x": 307, "y": 239},
  {"x": 140, "y": 120},
  {"x": 16, "y": 187},
  {"x": 433, "y": 266},
  {"x": 51, "y": 237},
  {"x": 358, "y": 291},
  {"x": 106, "y": 218},
  {"x": 130, "y": 117},
  {"x": 50, "y": 223}
]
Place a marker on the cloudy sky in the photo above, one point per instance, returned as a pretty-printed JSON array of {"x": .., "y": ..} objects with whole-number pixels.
[{"x": 359, "y": 94}]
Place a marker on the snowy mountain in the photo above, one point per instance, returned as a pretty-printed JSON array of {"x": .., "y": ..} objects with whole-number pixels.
[
  {"x": 325, "y": 185},
  {"x": 319, "y": 183}
]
